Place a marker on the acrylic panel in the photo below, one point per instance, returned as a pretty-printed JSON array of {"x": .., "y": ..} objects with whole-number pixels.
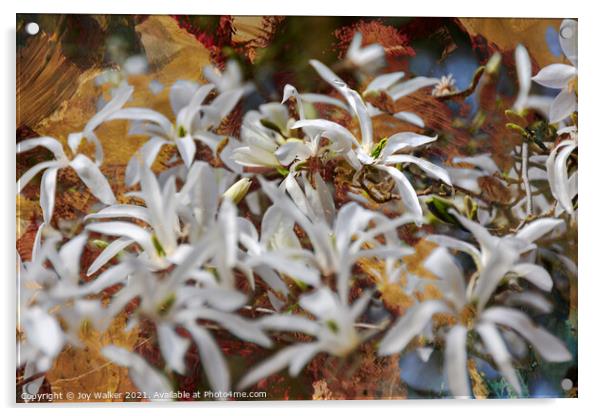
[{"x": 295, "y": 208}]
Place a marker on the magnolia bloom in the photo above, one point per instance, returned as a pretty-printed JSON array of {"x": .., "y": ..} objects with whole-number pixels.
[
  {"x": 194, "y": 121},
  {"x": 160, "y": 243},
  {"x": 231, "y": 79},
  {"x": 563, "y": 186},
  {"x": 86, "y": 170},
  {"x": 334, "y": 331},
  {"x": 337, "y": 241},
  {"x": 365, "y": 153},
  {"x": 494, "y": 326},
  {"x": 365, "y": 58},
  {"x": 562, "y": 76},
  {"x": 499, "y": 256}
]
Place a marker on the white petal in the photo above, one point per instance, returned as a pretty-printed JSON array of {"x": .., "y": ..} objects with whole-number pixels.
[
  {"x": 430, "y": 168},
  {"x": 121, "y": 211},
  {"x": 455, "y": 362},
  {"x": 533, "y": 231},
  {"x": 304, "y": 354},
  {"x": 323, "y": 99},
  {"x": 404, "y": 140},
  {"x": 382, "y": 82},
  {"x": 548, "y": 346},
  {"x": 289, "y": 323},
  {"x": 144, "y": 114},
  {"x": 43, "y": 331},
  {"x": 33, "y": 171},
  {"x": 47, "y": 193},
  {"x": 108, "y": 253},
  {"x": 408, "y": 87},
  {"x": 292, "y": 150},
  {"x": 181, "y": 93},
  {"x": 270, "y": 366},
  {"x": 563, "y": 106},
  {"x": 212, "y": 358},
  {"x": 331, "y": 130},
  {"x": 186, "y": 148},
  {"x": 555, "y": 75},
  {"x": 441, "y": 263},
  {"x": 523, "y": 70},
  {"x": 534, "y": 274},
  {"x": 120, "y": 96},
  {"x": 148, "y": 379},
  {"x": 49, "y": 143},
  {"x": 497, "y": 348},
  {"x": 320, "y": 303},
  {"x": 456, "y": 244},
  {"x": 409, "y": 326},
  {"x": 411, "y": 118},
  {"x": 173, "y": 347},
  {"x": 244, "y": 329},
  {"x": 407, "y": 193},
  {"x": 124, "y": 229},
  {"x": 91, "y": 176}
]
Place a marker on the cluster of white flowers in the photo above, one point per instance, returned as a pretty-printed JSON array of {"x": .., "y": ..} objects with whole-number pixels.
[{"x": 195, "y": 244}]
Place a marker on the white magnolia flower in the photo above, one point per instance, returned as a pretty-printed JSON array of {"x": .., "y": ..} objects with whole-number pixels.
[
  {"x": 88, "y": 172},
  {"x": 563, "y": 186},
  {"x": 381, "y": 155},
  {"x": 194, "y": 121},
  {"x": 499, "y": 256},
  {"x": 231, "y": 79},
  {"x": 334, "y": 330},
  {"x": 337, "y": 241},
  {"x": 367, "y": 59},
  {"x": 159, "y": 243},
  {"x": 493, "y": 325},
  {"x": 562, "y": 76}
]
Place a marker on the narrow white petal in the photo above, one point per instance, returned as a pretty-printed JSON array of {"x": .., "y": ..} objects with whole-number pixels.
[
  {"x": 409, "y": 326},
  {"x": 49, "y": 143},
  {"x": 148, "y": 379},
  {"x": 411, "y": 86},
  {"x": 108, "y": 253},
  {"x": 407, "y": 193},
  {"x": 411, "y": 118},
  {"x": 534, "y": 274},
  {"x": 456, "y": 361},
  {"x": 497, "y": 348},
  {"x": 563, "y": 106},
  {"x": 548, "y": 346},
  {"x": 91, "y": 176},
  {"x": 47, "y": 193},
  {"x": 121, "y": 211},
  {"x": 270, "y": 366},
  {"x": 212, "y": 358},
  {"x": 430, "y": 168},
  {"x": 533, "y": 231},
  {"x": 382, "y": 82},
  {"x": 173, "y": 347}
]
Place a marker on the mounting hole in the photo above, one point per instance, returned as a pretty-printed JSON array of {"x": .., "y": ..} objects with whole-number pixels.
[
  {"x": 566, "y": 384},
  {"x": 566, "y": 32},
  {"x": 32, "y": 28}
]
